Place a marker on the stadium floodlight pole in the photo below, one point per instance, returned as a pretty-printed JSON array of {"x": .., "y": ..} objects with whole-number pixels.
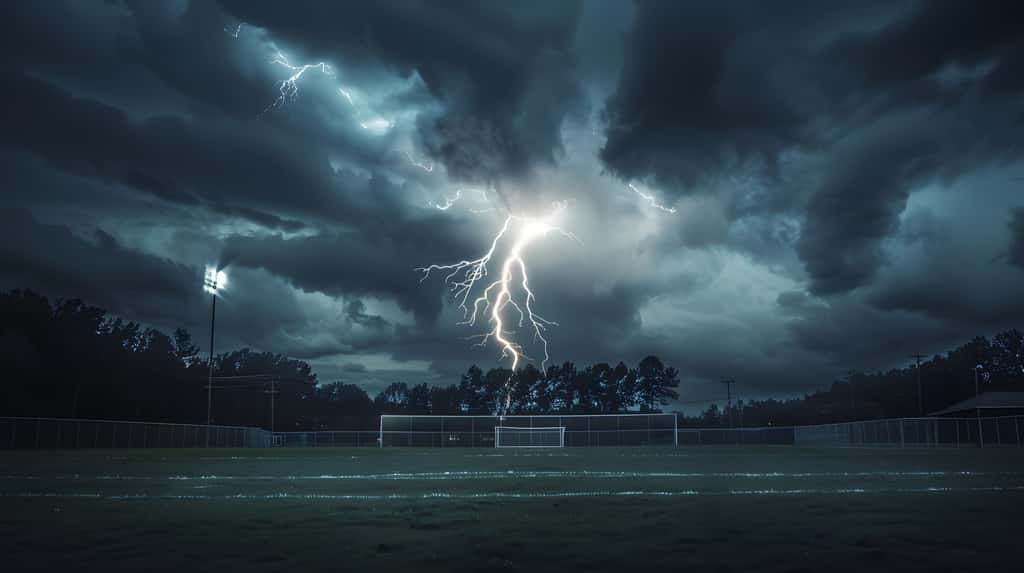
[{"x": 213, "y": 282}]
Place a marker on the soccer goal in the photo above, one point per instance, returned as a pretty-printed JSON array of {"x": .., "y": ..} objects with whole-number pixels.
[
  {"x": 573, "y": 430},
  {"x": 511, "y": 437}
]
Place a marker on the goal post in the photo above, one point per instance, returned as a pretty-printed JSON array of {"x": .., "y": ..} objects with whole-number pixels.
[{"x": 515, "y": 437}]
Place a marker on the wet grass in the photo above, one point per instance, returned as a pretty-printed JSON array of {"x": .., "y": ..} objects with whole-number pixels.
[{"x": 702, "y": 509}]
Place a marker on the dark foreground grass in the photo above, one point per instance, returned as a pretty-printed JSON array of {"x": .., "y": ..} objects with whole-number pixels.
[{"x": 698, "y": 509}]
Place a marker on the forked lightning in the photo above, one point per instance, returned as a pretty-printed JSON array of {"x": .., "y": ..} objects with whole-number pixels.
[{"x": 462, "y": 278}]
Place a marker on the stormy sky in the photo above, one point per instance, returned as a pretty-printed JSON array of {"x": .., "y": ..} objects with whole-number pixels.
[{"x": 776, "y": 192}]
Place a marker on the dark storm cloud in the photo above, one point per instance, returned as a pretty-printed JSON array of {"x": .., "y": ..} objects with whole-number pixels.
[
  {"x": 934, "y": 35},
  {"x": 956, "y": 125},
  {"x": 504, "y": 72},
  {"x": 375, "y": 261},
  {"x": 176, "y": 46},
  {"x": 53, "y": 260},
  {"x": 705, "y": 87},
  {"x": 889, "y": 103},
  {"x": 821, "y": 150},
  {"x": 185, "y": 161},
  {"x": 1017, "y": 237}
]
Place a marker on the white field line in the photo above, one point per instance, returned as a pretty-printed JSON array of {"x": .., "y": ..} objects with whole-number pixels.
[
  {"x": 511, "y": 495},
  {"x": 522, "y": 474}
]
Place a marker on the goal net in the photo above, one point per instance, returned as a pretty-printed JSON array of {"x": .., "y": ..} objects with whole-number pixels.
[{"x": 511, "y": 437}]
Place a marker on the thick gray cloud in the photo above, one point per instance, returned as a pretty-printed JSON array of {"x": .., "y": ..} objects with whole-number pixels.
[{"x": 834, "y": 178}]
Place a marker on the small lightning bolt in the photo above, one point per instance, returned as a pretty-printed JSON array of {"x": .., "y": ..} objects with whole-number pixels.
[
  {"x": 289, "y": 88},
  {"x": 347, "y": 95},
  {"x": 428, "y": 167},
  {"x": 650, "y": 199},
  {"x": 234, "y": 33},
  {"x": 448, "y": 202},
  {"x": 462, "y": 278}
]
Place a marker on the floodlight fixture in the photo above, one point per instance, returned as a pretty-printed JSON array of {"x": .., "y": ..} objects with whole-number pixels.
[{"x": 214, "y": 280}]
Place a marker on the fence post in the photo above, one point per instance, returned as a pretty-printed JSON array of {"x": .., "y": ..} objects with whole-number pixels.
[
  {"x": 675, "y": 429},
  {"x": 957, "y": 424},
  {"x": 902, "y": 442},
  {"x": 1016, "y": 429}
]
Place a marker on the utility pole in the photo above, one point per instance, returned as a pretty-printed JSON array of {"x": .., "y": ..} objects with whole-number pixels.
[
  {"x": 977, "y": 406},
  {"x": 853, "y": 402},
  {"x": 920, "y": 388},
  {"x": 272, "y": 391},
  {"x": 728, "y": 393}
]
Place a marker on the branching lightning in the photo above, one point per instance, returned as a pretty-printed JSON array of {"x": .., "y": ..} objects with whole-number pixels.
[
  {"x": 462, "y": 278},
  {"x": 234, "y": 33},
  {"x": 289, "y": 88},
  {"x": 650, "y": 199}
]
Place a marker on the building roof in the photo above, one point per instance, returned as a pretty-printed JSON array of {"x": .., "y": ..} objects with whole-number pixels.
[{"x": 986, "y": 401}]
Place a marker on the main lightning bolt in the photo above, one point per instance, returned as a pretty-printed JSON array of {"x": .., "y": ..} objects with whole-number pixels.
[{"x": 462, "y": 278}]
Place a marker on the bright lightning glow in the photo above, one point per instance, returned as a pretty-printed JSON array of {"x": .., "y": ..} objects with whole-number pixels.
[
  {"x": 650, "y": 199},
  {"x": 462, "y": 278},
  {"x": 234, "y": 33},
  {"x": 289, "y": 88}
]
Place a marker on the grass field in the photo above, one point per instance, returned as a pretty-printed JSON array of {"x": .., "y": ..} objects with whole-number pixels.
[{"x": 700, "y": 508}]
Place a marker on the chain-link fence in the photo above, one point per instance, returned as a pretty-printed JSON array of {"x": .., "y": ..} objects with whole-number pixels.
[
  {"x": 717, "y": 436},
  {"x": 478, "y": 431},
  {"x": 74, "y": 433},
  {"x": 916, "y": 432},
  {"x": 327, "y": 439}
]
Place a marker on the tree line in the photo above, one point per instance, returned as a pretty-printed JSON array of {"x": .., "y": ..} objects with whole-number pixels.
[
  {"x": 943, "y": 380},
  {"x": 68, "y": 359},
  {"x": 71, "y": 360}
]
